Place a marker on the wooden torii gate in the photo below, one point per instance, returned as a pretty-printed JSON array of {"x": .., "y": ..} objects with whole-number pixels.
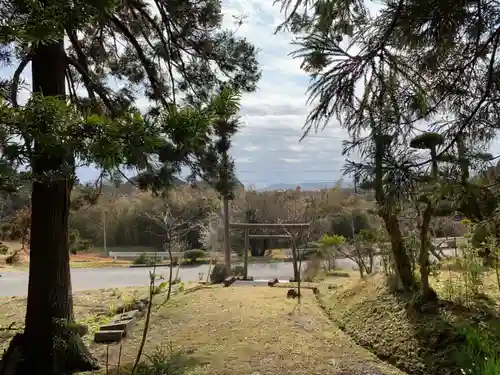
[{"x": 247, "y": 226}]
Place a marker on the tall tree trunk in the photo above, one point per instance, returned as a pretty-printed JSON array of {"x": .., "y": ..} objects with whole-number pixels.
[
  {"x": 425, "y": 242},
  {"x": 401, "y": 259},
  {"x": 50, "y": 343},
  {"x": 423, "y": 257}
]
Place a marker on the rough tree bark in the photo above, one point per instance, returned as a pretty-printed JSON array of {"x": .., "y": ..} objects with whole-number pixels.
[
  {"x": 295, "y": 258},
  {"x": 50, "y": 343},
  {"x": 402, "y": 261},
  {"x": 423, "y": 258}
]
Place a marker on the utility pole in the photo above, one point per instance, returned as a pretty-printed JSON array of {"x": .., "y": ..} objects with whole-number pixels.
[{"x": 104, "y": 235}]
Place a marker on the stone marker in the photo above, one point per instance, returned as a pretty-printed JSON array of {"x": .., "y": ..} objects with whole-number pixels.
[
  {"x": 128, "y": 315},
  {"x": 139, "y": 305},
  {"x": 109, "y": 336},
  {"x": 119, "y": 325},
  {"x": 273, "y": 282},
  {"x": 229, "y": 280},
  {"x": 292, "y": 293}
]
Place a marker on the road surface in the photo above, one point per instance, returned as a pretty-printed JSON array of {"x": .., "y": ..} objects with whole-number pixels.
[{"x": 16, "y": 283}]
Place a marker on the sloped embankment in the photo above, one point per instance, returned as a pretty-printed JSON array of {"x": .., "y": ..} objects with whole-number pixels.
[{"x": 421, "y": 342}]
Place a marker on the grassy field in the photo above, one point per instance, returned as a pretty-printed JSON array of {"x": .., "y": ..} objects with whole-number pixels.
[{"x": 222, "y": 331}]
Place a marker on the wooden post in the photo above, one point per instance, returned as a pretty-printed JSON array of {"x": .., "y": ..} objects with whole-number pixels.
[
  {"x": 227, "y": 245},
  {"x": 245, "y": 259}
]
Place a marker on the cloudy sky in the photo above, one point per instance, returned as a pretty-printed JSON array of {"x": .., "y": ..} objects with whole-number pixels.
[{"x": 267, "y": 151}]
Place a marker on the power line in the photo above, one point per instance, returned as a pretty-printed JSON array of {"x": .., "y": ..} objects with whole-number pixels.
[
  {"x": 289, "y": 182},
  {"x": 288, "y": 170},
  {"x": 273, "y": 132}
]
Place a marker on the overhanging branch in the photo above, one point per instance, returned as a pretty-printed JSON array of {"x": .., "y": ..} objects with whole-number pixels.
[
  {"x": 17, "y": 75},
  {"x": 146, "y": 63},
  {"x": 93, "y": 86}
]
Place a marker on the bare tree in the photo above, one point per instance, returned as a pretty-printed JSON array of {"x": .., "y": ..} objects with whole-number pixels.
[
  {"x": 212, "y": 236},
  {"x": 295, "y": 211},
  {"x": 172, "y": 230},
  {"x": 301, "y": 210}
]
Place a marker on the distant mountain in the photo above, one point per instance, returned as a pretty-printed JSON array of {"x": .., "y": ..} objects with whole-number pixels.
[
  {"x": 128, "y": 187},
  {"x": 303, "y": 186}
]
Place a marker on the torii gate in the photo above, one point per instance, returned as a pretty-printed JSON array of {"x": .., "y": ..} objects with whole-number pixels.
[{"x": 247, "y": 226}]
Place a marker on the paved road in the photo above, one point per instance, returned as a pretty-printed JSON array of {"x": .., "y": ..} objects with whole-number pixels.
[{"x": 16, "y": 283}]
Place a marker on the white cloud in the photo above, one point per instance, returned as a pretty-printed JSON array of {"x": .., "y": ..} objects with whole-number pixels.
[
  {"x": 243, "y": 160},
  {"x": 273, "y": 117},
  {"x": 296, "y": 148},
  {"x": 292, "y": 160},
  {"x": 251, "y": 148},
  {"x": 267, "y": 149}
]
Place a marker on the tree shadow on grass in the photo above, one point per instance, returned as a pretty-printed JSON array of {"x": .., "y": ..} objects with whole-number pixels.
[
  {"x": 164, "y": 362},
  {"x": 443, "y": 330},
  {"x": 419, "y": 339}
]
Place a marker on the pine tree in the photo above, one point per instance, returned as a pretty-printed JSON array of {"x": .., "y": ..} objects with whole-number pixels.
[
  {"x": 173, "y": 52},
  {"x": 383, "y": 72}
]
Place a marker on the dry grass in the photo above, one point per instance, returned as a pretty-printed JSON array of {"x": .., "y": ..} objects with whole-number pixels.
[
  {"x": 243, "y": 330},
  {"x": 236, "y": 330},
  {"x": 76, "y": 261},
  {"x": 80, "y": 260},
  {"x": 92, "y": 308},
  {"x": 85, "y": 260},
  {"x": 417, "y": 339}
]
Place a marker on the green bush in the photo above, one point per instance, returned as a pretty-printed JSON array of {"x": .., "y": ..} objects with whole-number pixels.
[
  {"x": 479, "y": 354},
  {"x": 194, "y": 254},
  {"x": 238, "y": 270},
  {"x": 218, "y": 274},
  {"x": 77, "y": 243},
  {"x": 161, "y": 362},
  {"x": 141, "y": 259}
]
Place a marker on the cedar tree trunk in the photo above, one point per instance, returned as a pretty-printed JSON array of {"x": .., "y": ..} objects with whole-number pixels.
[{"x": 50, "y": 343}]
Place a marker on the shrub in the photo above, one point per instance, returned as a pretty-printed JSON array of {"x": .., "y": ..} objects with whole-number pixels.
[
  {"x": 194, "y": 254},
  {"x": 479, "y": 354},
  {"x": 219, "y": 273},
  {"x": 141, "y": 259},
  {"x": 160, "y": 362},
  {"x": 3, "y": 249},
  {"x": 238, "y": 270}
]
